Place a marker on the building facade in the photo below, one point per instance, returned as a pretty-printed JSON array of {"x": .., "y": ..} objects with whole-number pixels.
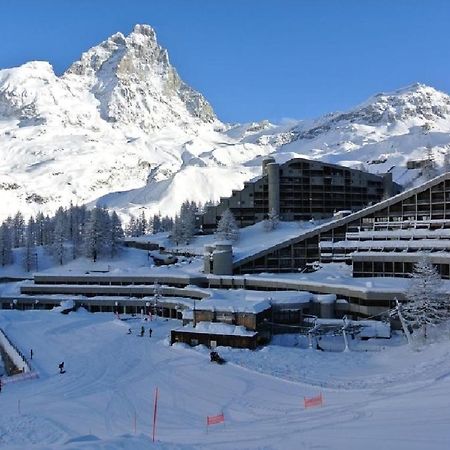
[
  {"x": 301, "y": 189},
  {"x": 385, "y": 239}
]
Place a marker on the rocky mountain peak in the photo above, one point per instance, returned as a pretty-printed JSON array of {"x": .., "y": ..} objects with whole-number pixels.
[
  {"x": 140, "y": 45},
  {"x": 134, "y": 82},
  {"x": 417, "y": 102},
  {"x": 416, "y": 105}
]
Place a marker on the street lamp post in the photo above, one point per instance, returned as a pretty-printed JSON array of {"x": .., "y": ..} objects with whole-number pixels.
[
  {"x": 194, "y": 320},
  {"x": 157, "y": 292}
]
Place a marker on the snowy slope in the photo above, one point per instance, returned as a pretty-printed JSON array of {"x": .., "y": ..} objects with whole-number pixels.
[
  {"x": 121, "y": 127},
  {"x": 389, "y": 398}
]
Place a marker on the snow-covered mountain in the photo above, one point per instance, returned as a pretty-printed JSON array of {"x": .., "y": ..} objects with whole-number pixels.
[{"x": 120, "y": 127}]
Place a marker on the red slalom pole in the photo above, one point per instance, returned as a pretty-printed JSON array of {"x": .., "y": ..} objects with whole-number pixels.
[{"x": 155, "y": 410}]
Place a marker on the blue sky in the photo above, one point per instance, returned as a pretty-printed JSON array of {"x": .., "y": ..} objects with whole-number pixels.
[{"x": 253, "y": 59}]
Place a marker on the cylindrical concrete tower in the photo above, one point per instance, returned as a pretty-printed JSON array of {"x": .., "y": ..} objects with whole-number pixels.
[
  {"x": 207, "y": 258},
  {"x": 388, "y": 185},
  {"x": 273, "y": 176},
  {"x": 326, "y": 304},
  {"x": 266, "y": 160},
  {"x": 223, "y": 259}
]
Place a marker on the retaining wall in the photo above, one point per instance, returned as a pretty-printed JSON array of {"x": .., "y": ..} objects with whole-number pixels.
[{"x": 14, "y": 354}]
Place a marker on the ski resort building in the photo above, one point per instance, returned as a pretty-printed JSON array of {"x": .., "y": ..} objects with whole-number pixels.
[
  {"x": 381, "y": 241},
  {"x": 301, "y": 189},
  {"x": 214, "y": 334},
  {"x": 384, "y": 239}
]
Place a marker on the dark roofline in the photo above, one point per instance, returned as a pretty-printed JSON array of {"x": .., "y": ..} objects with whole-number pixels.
[{"x": 325, "y": 163}]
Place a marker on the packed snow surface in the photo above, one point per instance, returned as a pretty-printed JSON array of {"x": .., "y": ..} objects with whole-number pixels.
[
  {"x": 252, "y": 239},
  {"x": 382, "y": 394},
  {"x": 217, "y": 328}
]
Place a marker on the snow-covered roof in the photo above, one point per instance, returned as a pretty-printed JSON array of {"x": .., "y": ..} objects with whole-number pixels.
[
  {"x": 250, "y": 301},
  {"x": 230, "y": 303},
  {"x": 401, "y": 256},
  {"x": 252, "y": 239},
  {"x": 217, "y": 328},
  {"x": 415, "y": 244},
  {"x": 324, "y": 298},
  {"x": 409, "y": 232},
  {"x": 291, "y": 298}
]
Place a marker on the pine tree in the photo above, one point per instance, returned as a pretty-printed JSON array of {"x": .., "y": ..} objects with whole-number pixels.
[
  {"x": 149, "y": 229},
  {"x": 6, "y": 255},
  {"x": 426, "y": 303},
  {"x": 30, "y": 254},
  {"x": 447, "y": 160},
  {"x": 40, "y": 225},
  {"x": 187, "y": 219},
  {"x": 167, "y": 223},
  {"x": 272, "y": 221},
  {"x": 31, "y": 230},
  {"x": 48, "y": 226},
  {"x": 77, "y": 222},
  {"x": 156, "y": 224},
  {"x": 176, "y": 235},
  {"x": 96, "y": 234},
  {"x": 116, "y": 234},
  {"x": 18, "y": 230},
  {"x": 132, "y": 227},
  {"x": 429, "y": 169},
  {"x": 142, "y": 224},
  {"x": 227, "y": 228},
  {"x": 59, "y": 232}
]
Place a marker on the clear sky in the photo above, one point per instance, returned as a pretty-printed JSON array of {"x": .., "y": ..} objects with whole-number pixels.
[{"x": 253, "y": 59}]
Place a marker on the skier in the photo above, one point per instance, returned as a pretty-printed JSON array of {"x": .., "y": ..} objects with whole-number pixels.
[
  {"x": 142, "y": 331},
  {"x": 150, "y": 331},
  {"x": 0, "y": 385},
  {"x": 215, "y": 357},
  {"x": 318, "y": 347},
  {"x": 129, "y": 331},
  {"x": 61, "y": 368}
]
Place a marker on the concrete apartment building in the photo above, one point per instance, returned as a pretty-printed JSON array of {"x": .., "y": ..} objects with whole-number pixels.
[
  {"x": 301, "y": 189},
  {"x": 384, "y": 239}
]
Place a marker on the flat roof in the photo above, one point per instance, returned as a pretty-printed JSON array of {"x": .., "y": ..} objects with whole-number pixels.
[{"x": 218, "y": 328}]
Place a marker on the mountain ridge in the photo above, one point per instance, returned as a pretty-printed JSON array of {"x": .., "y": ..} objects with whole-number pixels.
[{"x": 121, "y": 128}]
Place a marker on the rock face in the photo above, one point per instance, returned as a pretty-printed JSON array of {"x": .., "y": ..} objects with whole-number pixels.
[
  {"x": 121, "y": 128},
  {"x": 134, "y": 83},
  {"x": 418, "y": 103}
]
